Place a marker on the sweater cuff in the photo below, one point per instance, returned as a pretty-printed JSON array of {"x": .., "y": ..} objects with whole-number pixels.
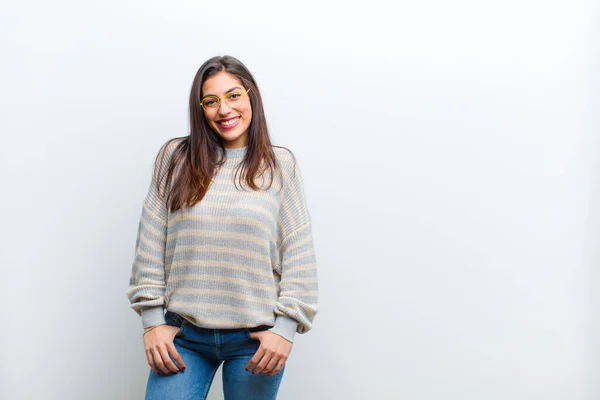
[
  {"x": 153, "y": 316},
  {"x": 285, "y": 327}
]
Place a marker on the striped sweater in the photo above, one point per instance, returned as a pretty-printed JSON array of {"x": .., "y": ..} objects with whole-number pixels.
[{"x": 237, "y": 259}]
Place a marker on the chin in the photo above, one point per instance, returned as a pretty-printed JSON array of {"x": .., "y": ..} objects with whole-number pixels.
[{"x": 230, "y": 138}]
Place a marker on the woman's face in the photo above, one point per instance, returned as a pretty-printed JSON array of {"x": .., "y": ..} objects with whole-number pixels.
[{"x": 230, "y": 121}]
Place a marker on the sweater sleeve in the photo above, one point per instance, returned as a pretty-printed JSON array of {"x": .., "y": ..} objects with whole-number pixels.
[
  {"x": 297, "y": 303},
  {"x": 146, "y": 292}
]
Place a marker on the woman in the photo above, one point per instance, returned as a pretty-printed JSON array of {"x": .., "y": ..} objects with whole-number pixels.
[{"x": 225, "y": 246}]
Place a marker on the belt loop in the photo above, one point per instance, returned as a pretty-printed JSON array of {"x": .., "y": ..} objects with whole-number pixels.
[{"x": 178, "y": 318}]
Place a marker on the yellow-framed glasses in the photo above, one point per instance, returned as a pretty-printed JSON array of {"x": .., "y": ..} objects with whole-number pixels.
[{"x": 233, "y": 99}]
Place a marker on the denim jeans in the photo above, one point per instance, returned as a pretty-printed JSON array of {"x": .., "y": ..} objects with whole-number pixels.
[{"x": 203, "y": 350}]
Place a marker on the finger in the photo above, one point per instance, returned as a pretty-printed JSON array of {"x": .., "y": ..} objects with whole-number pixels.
[
  {"x": 278, "y": 368},
  {"x": 158, "y": 362},
  {"x": 263, "y": 363},
  {"x": 255, "y": 358},
  {"x": 271, "y": 364},
  {"x": 164, "y": 353},
  {"x": 257, "y": 335},
  {"x": 175, "y": 355},
  {"x": 151, "y": 362}
]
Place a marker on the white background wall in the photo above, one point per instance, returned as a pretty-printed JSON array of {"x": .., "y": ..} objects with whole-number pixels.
[{"x": 447, "y": 153}]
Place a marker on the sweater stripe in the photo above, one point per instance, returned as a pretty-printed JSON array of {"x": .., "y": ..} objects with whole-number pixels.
[
  {"x": 195, "y": 279},
  {"x": 191, "y": 234},
  {"x": 191, "y": 220}
]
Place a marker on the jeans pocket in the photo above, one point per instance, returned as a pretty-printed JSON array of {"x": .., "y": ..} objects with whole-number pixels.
[
  {"x": 174, "y": 319},
  {"x": 256, "y": 329},
  {"x": 182, "y": 326}
]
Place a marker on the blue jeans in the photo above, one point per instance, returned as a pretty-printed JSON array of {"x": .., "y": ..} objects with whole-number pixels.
[{"x": 203, "y": 350}]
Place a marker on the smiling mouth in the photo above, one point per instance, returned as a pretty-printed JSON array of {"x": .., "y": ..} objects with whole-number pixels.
[{"x": 228, "y": 123}]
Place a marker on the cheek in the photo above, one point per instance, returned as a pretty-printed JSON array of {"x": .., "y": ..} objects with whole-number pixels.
[
  {"x": 248, "y": 113},
  {"x": 213, "y": 125}
]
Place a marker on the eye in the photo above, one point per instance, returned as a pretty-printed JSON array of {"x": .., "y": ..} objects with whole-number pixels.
[
  {"x": 209, "y": 101},
  {"x": 234, "y": 96}
]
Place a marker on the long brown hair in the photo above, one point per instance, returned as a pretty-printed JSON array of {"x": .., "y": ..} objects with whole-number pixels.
[{"x": 192, "y": 160}]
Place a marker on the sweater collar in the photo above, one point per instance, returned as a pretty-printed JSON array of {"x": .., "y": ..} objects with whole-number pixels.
[{"x": 236, "y": 152}]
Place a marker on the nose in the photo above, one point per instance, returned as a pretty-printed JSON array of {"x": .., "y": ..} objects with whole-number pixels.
[{"x": 224, "y": 108}]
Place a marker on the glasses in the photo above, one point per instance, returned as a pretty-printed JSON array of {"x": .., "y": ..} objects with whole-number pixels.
[{"x": 233, "y": 99}]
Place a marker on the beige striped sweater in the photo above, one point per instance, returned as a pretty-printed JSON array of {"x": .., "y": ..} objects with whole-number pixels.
[{"x": 238, "y": 258}]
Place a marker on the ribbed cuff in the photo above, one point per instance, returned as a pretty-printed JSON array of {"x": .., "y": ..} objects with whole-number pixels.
[
  {"x": 153, "y": 316},
  {"x": 285, "y": 327}
]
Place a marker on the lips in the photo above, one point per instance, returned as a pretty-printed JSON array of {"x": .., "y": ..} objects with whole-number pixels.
[{"x": 228, "y": 123}]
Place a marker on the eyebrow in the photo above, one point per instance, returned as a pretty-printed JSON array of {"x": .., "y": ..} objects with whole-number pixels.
[{"x": 230, "y": 90}]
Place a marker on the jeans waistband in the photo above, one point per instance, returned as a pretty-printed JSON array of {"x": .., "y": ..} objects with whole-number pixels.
[
  {"x": 180, "y": 320},
  {"x": 260, "y": 328}
]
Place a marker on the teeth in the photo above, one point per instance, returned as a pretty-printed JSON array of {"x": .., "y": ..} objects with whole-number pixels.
[{"x": 230, "y": 122}]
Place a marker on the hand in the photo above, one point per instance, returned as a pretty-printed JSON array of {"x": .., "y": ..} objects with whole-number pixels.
[
  {"x": 159, "y": 344},
  {"x": 272, "y": 353}
]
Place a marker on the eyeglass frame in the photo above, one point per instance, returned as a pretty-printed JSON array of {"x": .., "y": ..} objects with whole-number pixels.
[{"x": 219, "y": 99}]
